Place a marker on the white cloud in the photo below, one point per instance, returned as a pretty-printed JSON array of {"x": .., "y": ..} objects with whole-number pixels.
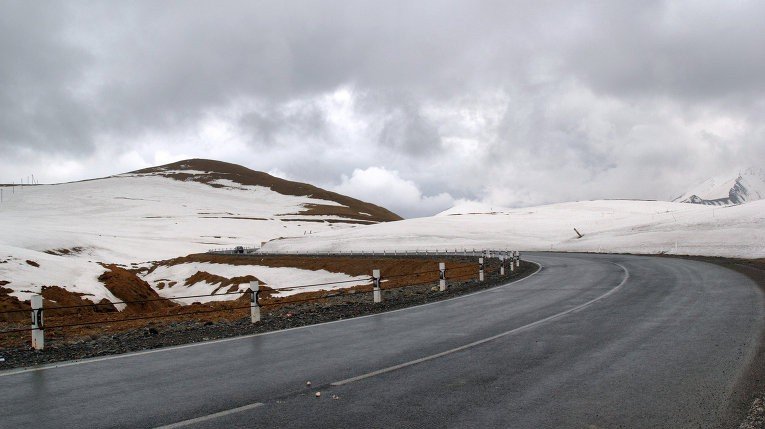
[
  {"x": 513, "y": 104},
  {"x": 386, "y": 188}
]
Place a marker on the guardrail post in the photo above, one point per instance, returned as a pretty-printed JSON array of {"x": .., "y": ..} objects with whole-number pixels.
[
  {"x": 254, "y": 304},
  {"x": 442, "y": 276},
  {"x": 480, "y": 269},
  {"x": 376, "y": 279},
  {"x": 38, "y": 325}
]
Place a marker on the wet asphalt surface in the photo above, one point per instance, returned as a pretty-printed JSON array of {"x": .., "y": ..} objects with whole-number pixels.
[{"x": 588, "y": 341}]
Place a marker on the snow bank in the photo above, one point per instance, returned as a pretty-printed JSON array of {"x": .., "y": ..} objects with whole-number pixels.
[
  {"x": 647, "y": 227},
  {"x": 273, "y": 277}
]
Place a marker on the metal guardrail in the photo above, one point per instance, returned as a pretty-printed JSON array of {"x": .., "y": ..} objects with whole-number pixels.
[{"x": 417, "y": 252}]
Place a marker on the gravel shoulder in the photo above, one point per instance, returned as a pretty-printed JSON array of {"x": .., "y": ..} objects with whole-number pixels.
[
  {"x": 752, "y": 407},
  {"x": 749, "y": 407}
]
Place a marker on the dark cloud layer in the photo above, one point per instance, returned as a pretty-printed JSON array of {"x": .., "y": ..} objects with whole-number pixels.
[{"x": 509, "y": 102}]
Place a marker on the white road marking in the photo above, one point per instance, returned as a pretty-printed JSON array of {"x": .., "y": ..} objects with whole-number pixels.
[
  {"x": 189, "y": 422},
  {"x": 243, "y": 337},
  {"x": 485, "y": 340}
]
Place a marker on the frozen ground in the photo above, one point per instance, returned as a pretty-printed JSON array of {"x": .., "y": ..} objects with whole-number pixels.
[
  {"x": 131, "y": 218},
  {"x": 647, "y": 227}
]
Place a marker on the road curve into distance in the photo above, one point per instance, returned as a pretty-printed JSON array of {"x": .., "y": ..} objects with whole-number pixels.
[{"x": 588, "y": 341}]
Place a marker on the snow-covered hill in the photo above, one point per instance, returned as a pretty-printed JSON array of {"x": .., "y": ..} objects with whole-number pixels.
[
  {"x": 737, "y": 188},
  {"x": 173, "y": 210},
  {"x": 155, "y": 214},
  {"x": 647, "y": 227}
]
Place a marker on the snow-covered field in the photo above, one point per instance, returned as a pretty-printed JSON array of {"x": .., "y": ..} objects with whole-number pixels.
[
  {"x": 647, "y": 227},
  {"x": 133, "y": 218}
]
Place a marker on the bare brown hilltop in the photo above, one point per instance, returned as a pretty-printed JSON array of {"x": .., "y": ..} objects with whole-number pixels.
[{"x": 189, "y": 170}]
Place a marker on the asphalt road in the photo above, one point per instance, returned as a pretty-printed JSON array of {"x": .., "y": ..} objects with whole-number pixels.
[{"x": 588, "y": 341}]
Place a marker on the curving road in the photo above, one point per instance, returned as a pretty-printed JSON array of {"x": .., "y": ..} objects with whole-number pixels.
[{"x": 588, "y": 341}]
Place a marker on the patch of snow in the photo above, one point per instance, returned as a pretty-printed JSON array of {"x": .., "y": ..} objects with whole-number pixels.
[{"x": 273, "y": 277}]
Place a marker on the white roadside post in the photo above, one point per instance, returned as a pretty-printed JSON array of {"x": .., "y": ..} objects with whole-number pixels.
[
  {"x": 517, "y": 258},
  {"x": 480, "y": 269},
  {"x": 38, "y": 327},
  {"x": 254, "y": 304},
  {"x": 376, "y": 278},
  {"x": 501, "y": 265},
  {"x": 442, "y": 276},
  {"x": 512, "y": 261}
]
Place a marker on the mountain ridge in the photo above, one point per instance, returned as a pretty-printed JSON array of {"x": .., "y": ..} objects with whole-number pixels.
[{"x": 733, "y": 189}]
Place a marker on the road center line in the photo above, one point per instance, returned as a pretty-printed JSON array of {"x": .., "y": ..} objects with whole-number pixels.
[
  {"x": 486, "y": 340},
  {"x": 189, "y": 422}
]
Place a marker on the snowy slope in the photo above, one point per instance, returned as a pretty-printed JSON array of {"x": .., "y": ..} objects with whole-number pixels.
[
  {"x": 155, "y": 214},
  {"x": 149, "y": 216},
  {"x": 647, "y": 227},
  {"x": 737, "y": 188}
]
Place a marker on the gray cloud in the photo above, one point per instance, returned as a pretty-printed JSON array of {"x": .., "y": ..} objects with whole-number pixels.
[{"x": 511, "y": 102}]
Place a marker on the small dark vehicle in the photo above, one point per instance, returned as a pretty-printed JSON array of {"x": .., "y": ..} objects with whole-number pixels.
[{"x": 239, "y": 250}]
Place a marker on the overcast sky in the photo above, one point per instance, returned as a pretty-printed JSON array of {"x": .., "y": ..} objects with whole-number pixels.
[{"x": 412, "y": 105}]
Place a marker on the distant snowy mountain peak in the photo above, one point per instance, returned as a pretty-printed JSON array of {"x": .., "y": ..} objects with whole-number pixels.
[{"x": 737, "y": 188}]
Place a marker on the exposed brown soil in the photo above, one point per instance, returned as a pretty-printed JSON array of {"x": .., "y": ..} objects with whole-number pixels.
[
  {"x": 64, "y": 251},
  {"x": 54, "y": 297},
  {"x": 33, "y": 263},
  {"x": 223, "y": 282},
  {"x": 9, "y": 303},
  {"x": 217, "y": 170},
  {"x": 127, "y": 286}
]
